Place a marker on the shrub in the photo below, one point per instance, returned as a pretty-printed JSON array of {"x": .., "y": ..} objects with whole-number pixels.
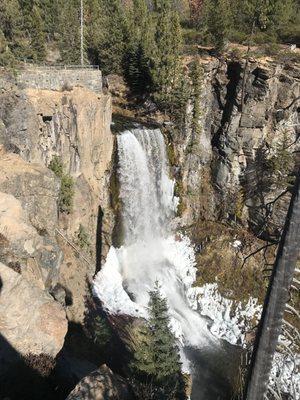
[
  {"x": 192, "y": 36},
  {"x": 66, "y": 193},
  {"x": 83, "y": 237},
  {"x": 238, "y": 36},
  {"x": 101, "y": 331},
  {"x": 56, "y": 166},
  {"x": 272, "y": 49}
]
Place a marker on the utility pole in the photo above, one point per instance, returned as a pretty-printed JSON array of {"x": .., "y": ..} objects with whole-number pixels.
[{"x": 81, "y": 34}]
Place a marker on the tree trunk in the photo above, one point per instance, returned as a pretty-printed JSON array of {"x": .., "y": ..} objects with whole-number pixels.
[{"x": 275, "y": 303}]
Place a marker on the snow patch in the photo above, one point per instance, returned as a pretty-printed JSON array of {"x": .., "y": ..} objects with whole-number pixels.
[{"x": 229, "y": 319}]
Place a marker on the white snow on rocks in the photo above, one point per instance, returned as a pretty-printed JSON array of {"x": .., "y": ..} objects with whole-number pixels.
[{"x": 229, "y": 319}]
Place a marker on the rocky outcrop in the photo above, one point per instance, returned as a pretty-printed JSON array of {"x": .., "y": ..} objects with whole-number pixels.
[
  {"x": 31, "y": 321},
  {"x": 243, "y": 153},
  {"x": 28, "y": 202},
  {"x": 73, "y": 124},
  {"x": 101, "y": 384}
]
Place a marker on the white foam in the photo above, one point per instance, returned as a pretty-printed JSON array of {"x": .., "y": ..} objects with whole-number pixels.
[
  {"x": 229, "y": 319},
  {"x": 200, "y": 316}
]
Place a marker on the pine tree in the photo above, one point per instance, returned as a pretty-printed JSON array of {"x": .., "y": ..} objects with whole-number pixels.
[
  {"x": 38, "y": 39},
  {"x": 166, "y": 61},
  {"x": 164, "y": 348},
  {"x": 274, "y": 17},
  {"x": 69, "y": 32},
  {"x": 50, "y": 11},
  {"x": 156, "y": 359},
  {"x": 196, "y": 78},
  {"x": 140, "y": 47},
  {"x": 13, "y": 35},
  {"x": 111, "y": 49},
  {"x": 217, "y": 21}
]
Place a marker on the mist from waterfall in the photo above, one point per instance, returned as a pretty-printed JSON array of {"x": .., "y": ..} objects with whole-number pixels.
[{"x": 151, "y": 251}]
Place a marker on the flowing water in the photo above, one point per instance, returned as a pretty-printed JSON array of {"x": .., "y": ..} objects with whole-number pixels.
[{"x": 151, "y": 251}]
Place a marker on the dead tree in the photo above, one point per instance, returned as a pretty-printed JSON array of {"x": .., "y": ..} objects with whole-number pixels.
[{"x": 277, "y": 297}]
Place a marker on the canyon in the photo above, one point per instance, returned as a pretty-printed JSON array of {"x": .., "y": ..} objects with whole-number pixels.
[{"x": 226, "y": 194}]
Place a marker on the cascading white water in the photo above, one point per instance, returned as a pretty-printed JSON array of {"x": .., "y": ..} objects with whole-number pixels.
[{"x": 150, "y": 251}]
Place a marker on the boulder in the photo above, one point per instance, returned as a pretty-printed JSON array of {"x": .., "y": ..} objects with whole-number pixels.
[
  {"x": 31, "y": 321},
  {"x": 101, "y": 384}
]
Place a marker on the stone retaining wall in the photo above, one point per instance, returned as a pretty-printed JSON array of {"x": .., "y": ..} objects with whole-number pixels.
[{"x": 60, "y": 79}]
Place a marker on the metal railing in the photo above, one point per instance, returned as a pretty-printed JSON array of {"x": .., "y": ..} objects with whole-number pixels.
[{"x": 60, "y": 66}]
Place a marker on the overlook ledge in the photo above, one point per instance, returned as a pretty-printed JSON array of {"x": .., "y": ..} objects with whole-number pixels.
[{"x": 60, "y": 77}]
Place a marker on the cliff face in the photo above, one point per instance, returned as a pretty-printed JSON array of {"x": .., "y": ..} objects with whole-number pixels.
[
  {"x": 233, "y": 171},
  {"x": 244, "y": 151},
  {"x": 38, "y": 240},
  {"x": 229, "y": 173}
]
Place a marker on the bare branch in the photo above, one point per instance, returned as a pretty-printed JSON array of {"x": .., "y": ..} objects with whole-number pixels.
[{"x": 256, "y": 251}]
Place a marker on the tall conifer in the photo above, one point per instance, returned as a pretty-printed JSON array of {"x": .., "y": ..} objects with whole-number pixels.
[
  {"x": 37, "y": 34},
  {"x": 156, "y": 360},
  {"x": 69, "y": 30}
]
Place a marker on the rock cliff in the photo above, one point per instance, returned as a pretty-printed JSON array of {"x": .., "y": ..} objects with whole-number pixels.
[
  {"x": 244, "y": 150},
  {"x": 49, "y": 250},
  {"x": 231, "y": 175},
  {"x": 234, "y": 171}
]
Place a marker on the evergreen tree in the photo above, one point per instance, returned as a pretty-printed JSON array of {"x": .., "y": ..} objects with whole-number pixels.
[
  {"x": 166, "y": 63},
  {"x": 274, "y": 17},
  {"x": 69, "y": 32},
  {"x": 140, "y": 46},
  {"x": 156, "y": 359},
  {"x": 50, "y": 11},
  {"x": 217, "y": 19},
  {"x": 38, "y": 39},
  {"x": 6, "y": 56},
  {"x": 93, "y": 29},
  {"x": 196, "y": 78},
  {"x": 111, "y": 48},
  {"x": 13, "y": 40}
]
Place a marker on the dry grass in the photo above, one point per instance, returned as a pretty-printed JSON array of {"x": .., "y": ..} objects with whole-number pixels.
[{"x": 219, "y": 261}]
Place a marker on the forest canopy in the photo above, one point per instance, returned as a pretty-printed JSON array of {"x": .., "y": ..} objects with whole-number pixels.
[
  {"x": 114, "y": 27},
  {"x": 143, "y": 40}
]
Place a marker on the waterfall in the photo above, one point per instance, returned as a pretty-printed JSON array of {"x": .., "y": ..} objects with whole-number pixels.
[{"x": 151, "y": 251}]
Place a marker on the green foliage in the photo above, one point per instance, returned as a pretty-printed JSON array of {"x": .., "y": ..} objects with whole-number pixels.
[
  {"x": 38, "y": 38},
  {"x": 66, "y": 193},
  {"x": 217, "y": 17},
  {"x": 140, "y": 48},
  {"x": 106, "y": 34},
  {"x": 196, "y": 78},
  {"x": 241, "y": 20},
  {"x": 281, "y": 164},
  {"x": 166, "y": 65},
  {"x": 69, "y": 32},
  {"x": 56, "y": 166},
  {"x": 83, "y": 239},
  {"x": 12, "y": 39},
  {"x": 271, "y": 17},
  {"x": 101, "y": 331},
  {"x": 156, "y": 358}
]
